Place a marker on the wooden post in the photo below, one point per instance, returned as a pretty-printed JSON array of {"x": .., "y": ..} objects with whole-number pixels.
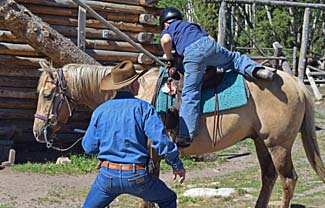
[
  {"x": 231, "y": 29},
  {"x": 269, "y": 16},
  {"x": 278, "y": 52},
  {"x": 81, "y": 28},
  {"x": 222, "y": 24},
  {"x": 313, "y": 85},
  {"x": 25, "y": 25},
  {"x": 304, "y": 43},
  {"x": 294, "y": 61}
]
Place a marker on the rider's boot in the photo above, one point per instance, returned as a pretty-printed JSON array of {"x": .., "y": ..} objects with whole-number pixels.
[
  {"x": 183, "y": 142},
  {"x": 262, "y": 73}
]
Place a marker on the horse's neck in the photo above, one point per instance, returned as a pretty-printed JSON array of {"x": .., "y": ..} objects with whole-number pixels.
[
  {"x": 148, "y": 85},
  {"x": 84, "y": 84}
]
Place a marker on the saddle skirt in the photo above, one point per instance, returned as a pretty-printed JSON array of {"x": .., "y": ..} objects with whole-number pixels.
[{"x": 232, "y": 92}]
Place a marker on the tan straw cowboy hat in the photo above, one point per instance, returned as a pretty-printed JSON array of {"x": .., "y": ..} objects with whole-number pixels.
[{"x": 121, "y": 75}]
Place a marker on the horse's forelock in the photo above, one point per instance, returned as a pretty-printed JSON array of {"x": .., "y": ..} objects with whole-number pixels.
[{"x": 41, "y": 80}]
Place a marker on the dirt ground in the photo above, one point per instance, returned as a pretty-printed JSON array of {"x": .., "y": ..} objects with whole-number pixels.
[
  {"x": 28, "y": 189},
  {"x": 39, "y": 190}
]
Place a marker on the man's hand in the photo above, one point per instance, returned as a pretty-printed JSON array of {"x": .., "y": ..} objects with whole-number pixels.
[{"x": 181, "y": 174}]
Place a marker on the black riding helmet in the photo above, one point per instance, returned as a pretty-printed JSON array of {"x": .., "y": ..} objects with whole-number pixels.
[{"x": 169, "y": 15}]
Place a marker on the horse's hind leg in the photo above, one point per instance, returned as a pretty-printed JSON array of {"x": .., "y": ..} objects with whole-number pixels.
[
  {"x": 281, "y": 155},
  {"x": 268, "y": 171}
]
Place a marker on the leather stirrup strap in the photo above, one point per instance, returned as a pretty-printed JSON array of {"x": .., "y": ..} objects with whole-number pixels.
[{"x": 215, "y": 120}]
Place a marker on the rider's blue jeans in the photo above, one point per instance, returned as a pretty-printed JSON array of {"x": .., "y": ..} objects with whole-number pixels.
[
  {"x": 197, "y": 56},
  {"x": 111, "y": 183}
]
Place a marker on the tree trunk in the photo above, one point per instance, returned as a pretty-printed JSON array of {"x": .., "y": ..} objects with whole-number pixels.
[{"x": 23, "y": 24}]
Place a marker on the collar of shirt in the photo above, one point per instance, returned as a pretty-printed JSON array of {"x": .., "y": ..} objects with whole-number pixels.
[{"x": 123, "y": 94}]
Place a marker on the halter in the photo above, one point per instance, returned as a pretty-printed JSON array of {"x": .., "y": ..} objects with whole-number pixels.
[{"x": 60, "y": 91}]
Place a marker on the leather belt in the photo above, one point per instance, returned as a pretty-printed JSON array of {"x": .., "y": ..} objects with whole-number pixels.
[{"x": 121, "y": 166}]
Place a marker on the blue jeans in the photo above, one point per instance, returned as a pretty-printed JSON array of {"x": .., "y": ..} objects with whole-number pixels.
[
  {"x": 197, "y": 56},
  {"x": 111, "y": 183}
]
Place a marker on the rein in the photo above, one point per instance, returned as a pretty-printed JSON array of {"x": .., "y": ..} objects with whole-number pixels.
[{"x": 52, "y": 116}]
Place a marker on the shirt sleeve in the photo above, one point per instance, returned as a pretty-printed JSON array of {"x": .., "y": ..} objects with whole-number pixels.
[
  {"x": 155, "y": 131},
  {"x": 164, "y": 32},
  {"x": 90, "y": 142}
]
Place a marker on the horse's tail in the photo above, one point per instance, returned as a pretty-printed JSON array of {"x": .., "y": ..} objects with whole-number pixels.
[{"x": 308, "y": 134}]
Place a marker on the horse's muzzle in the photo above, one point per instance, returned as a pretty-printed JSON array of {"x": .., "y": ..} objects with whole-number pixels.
[{"x": 38, "y": 136}]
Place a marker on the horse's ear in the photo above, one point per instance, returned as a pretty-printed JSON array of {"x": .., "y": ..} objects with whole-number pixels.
[{"x": 46, "y": 67}]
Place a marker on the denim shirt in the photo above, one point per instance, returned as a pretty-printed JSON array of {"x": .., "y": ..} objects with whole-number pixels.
[{"x": 119, "y": 129}]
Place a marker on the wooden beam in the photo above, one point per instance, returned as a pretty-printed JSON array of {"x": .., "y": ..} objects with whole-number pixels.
[
  {"x": 134, "y": 2},
  {"x": 304, "y": 44},
  {"x": 16, "y": 103},
  {"x": 112, "y": 16},
  {"x": 26, "y": 114},
  {"x": 119, "y": 46},
  {"x": 313, "y": 85},
  {"x": 115, "y": 56},
  {"x": 9, "y": 81},
  {"x": 23, "y": 24},
  {"x": 67, "y": 31},
  {"x": 19, "y": 49},
  {"x": 18, "y": 70},
  {"x": 267, "y": 58},
  {"x": 21, "y": 60},
  {"x": 7, "y": 36},
  {"x": 11, "y": 92},
  {"x": 91, "y": 23},
  {"x": 271, "y": 3},
  {"x": 97, "y": 6}
]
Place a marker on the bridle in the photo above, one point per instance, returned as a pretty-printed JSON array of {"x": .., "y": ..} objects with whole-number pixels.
[{"x": 51, "y": 118}]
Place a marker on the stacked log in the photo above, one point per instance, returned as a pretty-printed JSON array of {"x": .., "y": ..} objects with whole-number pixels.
[{"x": 19, "y": 61}]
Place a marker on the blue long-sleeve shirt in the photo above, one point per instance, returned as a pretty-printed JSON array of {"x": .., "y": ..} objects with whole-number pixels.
[{"x": 119, "y": 129}]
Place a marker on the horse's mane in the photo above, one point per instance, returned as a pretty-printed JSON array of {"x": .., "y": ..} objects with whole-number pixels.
[{"x": 86, "y": 77}]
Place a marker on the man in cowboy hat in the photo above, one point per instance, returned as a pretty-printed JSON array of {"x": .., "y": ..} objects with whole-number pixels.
[{"x": 118, "y": 133}]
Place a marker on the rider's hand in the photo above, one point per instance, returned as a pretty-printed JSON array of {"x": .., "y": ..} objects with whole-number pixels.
[{"x": 181, "y": 174}]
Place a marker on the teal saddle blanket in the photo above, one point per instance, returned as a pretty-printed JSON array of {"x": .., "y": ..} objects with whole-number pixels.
[{"x": 231, "y": 92}]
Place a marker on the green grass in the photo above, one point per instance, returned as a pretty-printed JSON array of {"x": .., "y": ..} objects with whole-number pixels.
[
  {"x": 319, "y": 115},
  {"x": 79, "y": 164},
  {"x": 6, "y": 206}
]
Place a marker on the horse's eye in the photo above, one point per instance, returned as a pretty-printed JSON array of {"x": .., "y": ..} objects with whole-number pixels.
[{"x": 47, "y": 95}]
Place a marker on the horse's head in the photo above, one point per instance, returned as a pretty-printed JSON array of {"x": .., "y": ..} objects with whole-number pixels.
[{"x": 54, "y": 104}]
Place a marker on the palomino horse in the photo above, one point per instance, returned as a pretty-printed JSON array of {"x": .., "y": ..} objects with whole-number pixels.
[{"x": 275, "y": 113}]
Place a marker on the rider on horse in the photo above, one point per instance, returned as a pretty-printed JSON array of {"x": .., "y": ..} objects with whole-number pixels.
[{"x": 198, "y": 50}]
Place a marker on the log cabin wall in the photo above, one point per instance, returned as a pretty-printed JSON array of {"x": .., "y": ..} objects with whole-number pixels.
[{"x": 19, "y": 61}]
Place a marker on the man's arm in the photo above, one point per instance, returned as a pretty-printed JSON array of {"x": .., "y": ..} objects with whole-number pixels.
[
  {"x": 90, "y": 142},
  {"x": 154, "y": 129},
  {"x": 167, "y": 45}
]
